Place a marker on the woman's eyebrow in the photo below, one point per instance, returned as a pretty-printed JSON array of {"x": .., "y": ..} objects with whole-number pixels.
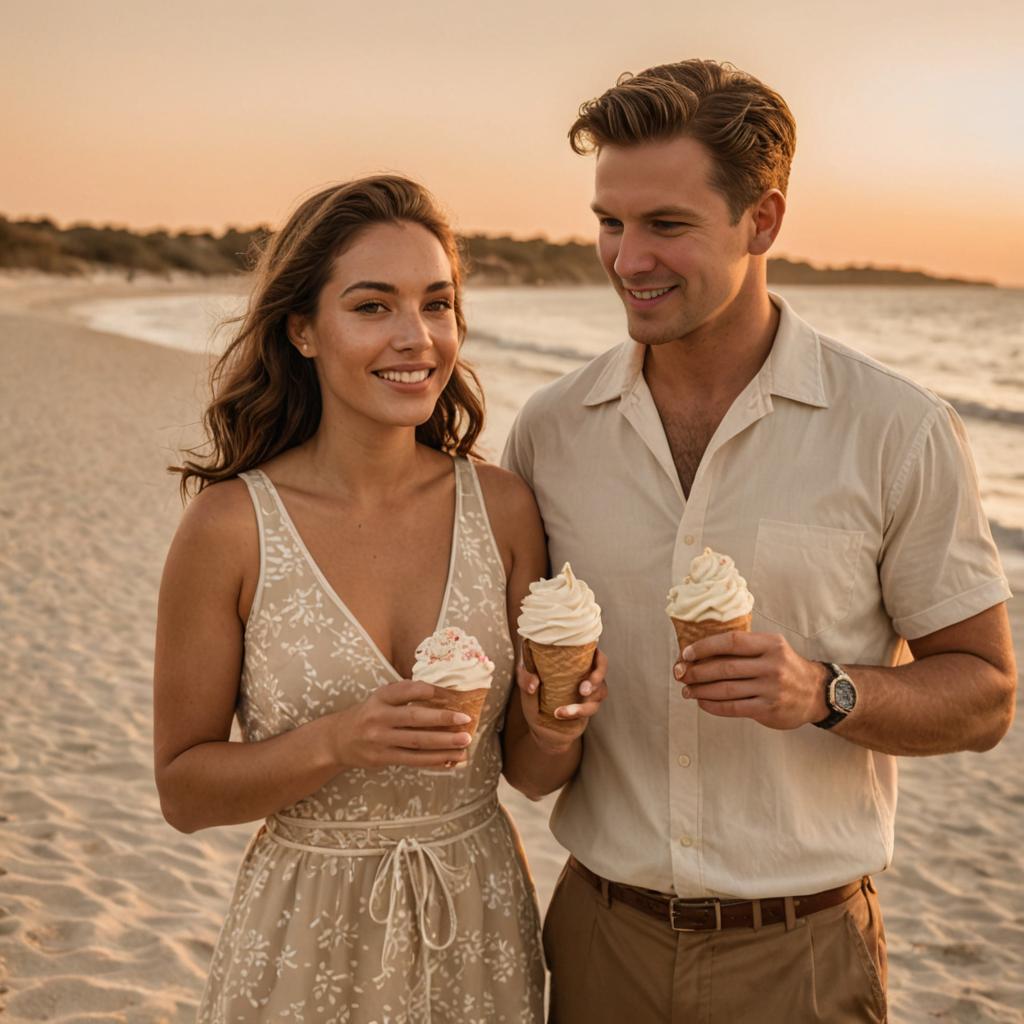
[{"x": 390, "y": 289}]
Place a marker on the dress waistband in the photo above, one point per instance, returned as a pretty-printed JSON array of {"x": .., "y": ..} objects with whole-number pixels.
[
  {"x": 412, "y": 886},
  {"x": 374, "y": 837}
]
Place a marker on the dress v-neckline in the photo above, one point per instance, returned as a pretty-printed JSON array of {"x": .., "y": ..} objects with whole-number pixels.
[{"x": 333, "y": 594}]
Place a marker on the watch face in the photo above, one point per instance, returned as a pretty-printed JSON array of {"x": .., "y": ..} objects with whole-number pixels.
[{"x": 845, "y": 695}]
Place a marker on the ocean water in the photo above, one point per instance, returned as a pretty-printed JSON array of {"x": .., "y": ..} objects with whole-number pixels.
[{"x": 964, "y": 343}]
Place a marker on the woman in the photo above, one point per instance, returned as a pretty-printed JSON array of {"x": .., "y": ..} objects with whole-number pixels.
[{"x": 339, "y": 522}]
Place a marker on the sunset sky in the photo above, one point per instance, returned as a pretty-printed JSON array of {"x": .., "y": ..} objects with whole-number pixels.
[{"x": 910, "y": 114}]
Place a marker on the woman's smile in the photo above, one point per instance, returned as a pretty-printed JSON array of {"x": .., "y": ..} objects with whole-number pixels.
[{"x": 406, "y": 378}]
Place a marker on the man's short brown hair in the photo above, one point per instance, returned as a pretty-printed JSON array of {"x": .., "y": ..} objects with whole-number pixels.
[{"x": 746, "y": 127}]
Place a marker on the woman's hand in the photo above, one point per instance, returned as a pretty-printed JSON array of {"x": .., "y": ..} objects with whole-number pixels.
[
  {"x": 593, "y": 690},
  {"x": 390, "y": 728}
]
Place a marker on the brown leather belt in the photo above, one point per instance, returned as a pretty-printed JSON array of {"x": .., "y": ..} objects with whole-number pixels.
[{"x": 684, "y": 915}]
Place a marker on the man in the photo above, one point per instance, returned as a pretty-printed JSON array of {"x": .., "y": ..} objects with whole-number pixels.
[{"x": 723, "y": 831}]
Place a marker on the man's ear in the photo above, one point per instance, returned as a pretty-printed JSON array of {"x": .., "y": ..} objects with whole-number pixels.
[
  {"x": 766, "y": 221},
  {"x": 300, "y": 334}
]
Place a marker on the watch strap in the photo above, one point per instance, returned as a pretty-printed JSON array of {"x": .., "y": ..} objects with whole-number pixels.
[{"x": 835, "y": 715}]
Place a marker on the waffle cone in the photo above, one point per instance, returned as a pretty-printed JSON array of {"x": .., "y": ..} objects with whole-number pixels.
[
  {"x": 561, "y": 670},
  {"x": 687, "y": 632},
  {"x": 469, "y": 702}
]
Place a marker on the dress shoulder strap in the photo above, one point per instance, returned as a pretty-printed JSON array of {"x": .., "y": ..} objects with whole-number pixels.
[
  {"x": 281, "y": 559},
  {"x": 474, "y": 522}
]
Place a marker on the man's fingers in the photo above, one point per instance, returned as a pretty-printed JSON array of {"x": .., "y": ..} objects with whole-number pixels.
[
  {"x": 712, "y": 670},
  {"x": 750, "y": 708},
  {"x": 744, "y": 644},
  {"x": 730, "y": 690}
]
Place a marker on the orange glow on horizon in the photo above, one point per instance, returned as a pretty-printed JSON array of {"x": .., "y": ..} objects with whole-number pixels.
[{"x": 197, "y": 116}]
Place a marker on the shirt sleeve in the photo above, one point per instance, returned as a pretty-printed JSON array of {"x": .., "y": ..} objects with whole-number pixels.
[
  {"x": 939, "y": 564},
  {"x": 518, "y": 453}
]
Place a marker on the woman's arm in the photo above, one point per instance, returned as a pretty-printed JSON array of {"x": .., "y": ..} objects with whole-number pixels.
[
  {"x": 537, "y": 759},
  {"x": 203, "y": 778}
]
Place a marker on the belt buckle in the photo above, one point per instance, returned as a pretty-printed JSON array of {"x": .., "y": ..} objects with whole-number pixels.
[{"x": 677, "y": 906}]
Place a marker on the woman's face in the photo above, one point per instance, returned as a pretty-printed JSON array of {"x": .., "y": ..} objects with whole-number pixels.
[{"x": 384, "y": 335}]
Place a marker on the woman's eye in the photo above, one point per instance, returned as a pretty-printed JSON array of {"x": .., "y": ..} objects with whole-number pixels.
[
  {"x": 370, "y": 307},
  {"x": 440, "y": 305}
]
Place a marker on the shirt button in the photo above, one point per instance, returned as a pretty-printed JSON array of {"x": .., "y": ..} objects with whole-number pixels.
[
  {"x": 685, "y": 841},
  {"x": 688, "y": 539},
  {"x": 684, "y": 760}
]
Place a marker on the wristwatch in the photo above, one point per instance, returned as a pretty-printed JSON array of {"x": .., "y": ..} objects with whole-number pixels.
[{"x": 840, "y": 696}]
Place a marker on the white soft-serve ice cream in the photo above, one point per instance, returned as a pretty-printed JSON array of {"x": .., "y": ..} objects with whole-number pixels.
[
  {"x": 560, "y": 623},
  {"x": 560, "y": 611},
  {"x": 714, "y": 590},
  {"x": 455, "y": 662},
  {"x": 713, "y": 598}
]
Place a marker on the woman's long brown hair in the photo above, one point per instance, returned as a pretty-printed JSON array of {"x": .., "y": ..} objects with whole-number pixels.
[{"x": 266, "y": 397}]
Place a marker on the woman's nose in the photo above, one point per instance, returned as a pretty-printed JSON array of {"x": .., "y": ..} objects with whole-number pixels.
[{"x": 413, "y": 334}]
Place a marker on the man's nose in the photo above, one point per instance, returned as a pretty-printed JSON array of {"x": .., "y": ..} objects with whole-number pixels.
[{"x": 634, "y": 256}]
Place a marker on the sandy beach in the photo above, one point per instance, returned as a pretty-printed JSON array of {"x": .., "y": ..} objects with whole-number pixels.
[{"x": 108, "y": 914}]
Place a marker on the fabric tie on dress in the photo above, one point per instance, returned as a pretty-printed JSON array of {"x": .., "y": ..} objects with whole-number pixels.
[
  {"x": 412, "y": 865},
  {"x": 412, "y": 885}
]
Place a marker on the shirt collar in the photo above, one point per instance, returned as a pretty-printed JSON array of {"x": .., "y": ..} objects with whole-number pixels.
[{"x": 792, "y": 369}]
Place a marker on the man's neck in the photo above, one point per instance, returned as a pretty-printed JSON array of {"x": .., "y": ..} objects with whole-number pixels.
[{"x": 712, "y": 365}]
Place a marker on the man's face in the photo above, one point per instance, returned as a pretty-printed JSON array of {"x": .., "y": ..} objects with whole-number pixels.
[{"x": 666, "y": 239}]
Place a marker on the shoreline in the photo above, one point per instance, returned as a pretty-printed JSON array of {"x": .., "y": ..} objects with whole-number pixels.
[
  {"x": 522, "y": 366},
  {"x": 107, "y": 913}
]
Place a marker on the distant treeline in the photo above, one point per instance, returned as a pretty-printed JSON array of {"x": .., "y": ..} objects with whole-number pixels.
[{"x": 42, "y": 245}]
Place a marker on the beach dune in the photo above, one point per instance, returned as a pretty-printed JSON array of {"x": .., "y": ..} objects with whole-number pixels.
[{"x": 107, "y": 913}]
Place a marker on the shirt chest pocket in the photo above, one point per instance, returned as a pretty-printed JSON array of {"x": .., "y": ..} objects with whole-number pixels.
[{"x": 803, "y": 576}]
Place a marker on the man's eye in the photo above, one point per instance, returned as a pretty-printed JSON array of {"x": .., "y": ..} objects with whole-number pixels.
[
  {"x": 610, "y": 223},
  {"x": 668, "y": 225}
]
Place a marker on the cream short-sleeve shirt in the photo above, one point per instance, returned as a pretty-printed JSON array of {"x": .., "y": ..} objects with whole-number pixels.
[{"x": 848, "y": 498}]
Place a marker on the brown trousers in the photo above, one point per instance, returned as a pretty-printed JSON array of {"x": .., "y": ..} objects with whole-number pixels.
[{"x": 612, "y": 964}]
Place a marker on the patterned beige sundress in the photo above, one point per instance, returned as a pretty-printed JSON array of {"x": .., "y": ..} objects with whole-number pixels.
[{"x": 389, "y": 895}]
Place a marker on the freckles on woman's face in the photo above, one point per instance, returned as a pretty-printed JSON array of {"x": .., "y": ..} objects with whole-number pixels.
[{"x": 385, "y": 332}]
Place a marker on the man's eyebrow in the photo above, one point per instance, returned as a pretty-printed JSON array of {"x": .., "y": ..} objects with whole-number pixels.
[
  {"x": 390, "y": 289},
  {"x": 658, "y": 213},
  {"x": 672, "y": 211}
]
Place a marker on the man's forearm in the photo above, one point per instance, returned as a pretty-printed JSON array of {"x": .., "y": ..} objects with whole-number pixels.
[{"x": 937, "y": 705}]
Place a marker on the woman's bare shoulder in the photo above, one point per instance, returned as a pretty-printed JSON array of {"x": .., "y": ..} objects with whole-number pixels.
[
  {"x": 511, "y": 506},
  {"x": 505, "y": 493},
  {"x": 219, "y": 521}
]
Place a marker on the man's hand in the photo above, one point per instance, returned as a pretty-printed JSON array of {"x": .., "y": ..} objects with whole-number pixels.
[
  {"x": 753, "y": 675},
  {"x": 593, "y": 690}
]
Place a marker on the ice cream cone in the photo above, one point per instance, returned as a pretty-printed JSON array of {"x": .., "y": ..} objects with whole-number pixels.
[
  {"x": 561, "y": 670},
  {"x": 687, "y": 632},
  {"x": 469, "y": 702}
]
